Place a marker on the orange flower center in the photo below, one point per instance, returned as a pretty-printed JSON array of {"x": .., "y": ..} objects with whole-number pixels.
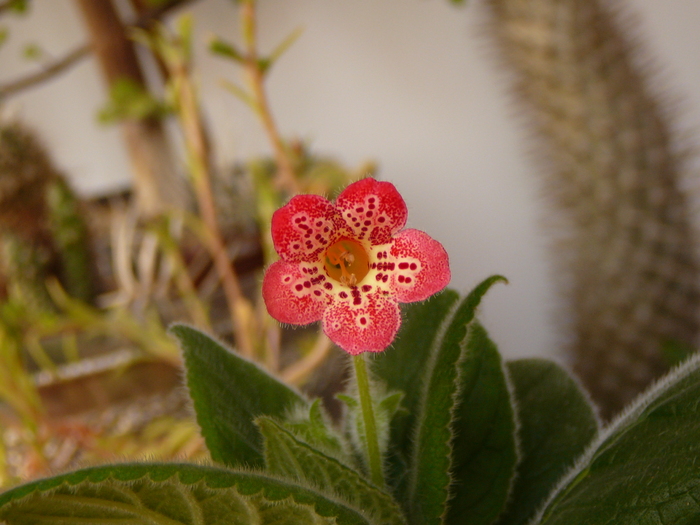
[{"x": 347, "y": 262}]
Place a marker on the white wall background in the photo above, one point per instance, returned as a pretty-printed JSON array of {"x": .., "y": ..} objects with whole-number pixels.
[{"x": 408, "y": 83}]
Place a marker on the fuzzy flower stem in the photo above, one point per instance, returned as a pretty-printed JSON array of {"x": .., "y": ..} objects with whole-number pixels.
[{"x": 372, "y": 439}]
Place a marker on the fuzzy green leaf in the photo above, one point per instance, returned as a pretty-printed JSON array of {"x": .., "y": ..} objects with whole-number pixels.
[
  {"x": 643, "y": 469},
  {"x": 484, "y": 444},
  {"x": 428, "y": 485},
  {"x": 314, "y": 428},
  {"x": 171, "y": 494},
  {"x": 556, "y": 424},
  {"x": 228, "y": 393},
  {"x": 289, "y": 457},
  {"x": 402, "y": 367}
]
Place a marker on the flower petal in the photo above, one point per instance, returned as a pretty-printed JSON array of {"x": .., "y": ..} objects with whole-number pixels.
[
  {"x": 369, "y": 328},
  {"x": 373, "y": 210},
  {"x": 304, "y": 227},
  {"x": 422, "y": 266},
  {"x": 293, "y": 295}
]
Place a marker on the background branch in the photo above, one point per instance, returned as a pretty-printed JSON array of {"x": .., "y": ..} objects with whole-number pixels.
[
  {"x": 48, "y": 72},
  {"x": 56, "y": 67}
]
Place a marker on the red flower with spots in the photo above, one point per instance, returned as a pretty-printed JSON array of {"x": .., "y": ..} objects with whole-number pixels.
[{"x": 349, "y": 264}]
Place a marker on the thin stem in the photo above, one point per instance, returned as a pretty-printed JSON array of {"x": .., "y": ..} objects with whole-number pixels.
[
  {"x": 47, "y": 72},
  {"x": 286, "y": 178},
  {"x": 372, "y": 439},
  {"x": 200, "y": 170},
  {"x": 52, "y": 69}
]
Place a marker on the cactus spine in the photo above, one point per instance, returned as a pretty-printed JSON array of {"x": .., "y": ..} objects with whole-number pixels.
[{"x": 630, "y": 275}]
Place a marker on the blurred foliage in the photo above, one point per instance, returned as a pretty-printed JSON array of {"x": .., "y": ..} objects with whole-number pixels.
[
  {"x": 19, "y": 6},
  {"x": 33, "y": 52},
  {"x": 129, "y": 100},
  {"x": 80, "y": 280}
]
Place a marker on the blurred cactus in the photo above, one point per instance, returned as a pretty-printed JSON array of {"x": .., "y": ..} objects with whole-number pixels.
[
  {"x": 42, "y": 231},
  {"x": 627, "y": 247}
]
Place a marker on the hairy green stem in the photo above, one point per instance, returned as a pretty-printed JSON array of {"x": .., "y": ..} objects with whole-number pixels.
[{"x": 374, "y": 458}]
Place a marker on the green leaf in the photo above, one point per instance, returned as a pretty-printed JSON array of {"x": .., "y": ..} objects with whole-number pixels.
[
  {"x": 33, "y": 52},
  {"x": 170, "y": 494},
  {"x": 281, "y": 48},
  {"x": 128, "y": 99},
  {"x": 228, "y": 393},
  {"x": 556, "y": 424},
  {"x": 643, "y": 469},
  {"x": 240, "y": 93},
  {"x": 315, "y": 429},
  {"x": 484, "y": 435},
  {"x": 429, "y": 481},
  {"x": 225, "y": 49},
  {"x": 287, "y": 456},
  {"x": 402, "y": 367},
  {"x": 19, "y": 6}
]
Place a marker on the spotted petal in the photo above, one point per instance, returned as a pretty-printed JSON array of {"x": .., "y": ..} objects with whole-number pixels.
[
  {"x": 421, "y": 266},
  {"x": 368, "y": 328},
  {"x": 373, "y": 210},
  {"x": 304, "y": 227},
  {"x": 290, "y": 296}
]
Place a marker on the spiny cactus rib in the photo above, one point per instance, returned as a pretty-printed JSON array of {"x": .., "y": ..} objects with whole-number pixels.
[{"x": 629, "y": 272}]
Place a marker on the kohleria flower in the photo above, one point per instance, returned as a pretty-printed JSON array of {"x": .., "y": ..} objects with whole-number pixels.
[{"x": 349, "y": 264}]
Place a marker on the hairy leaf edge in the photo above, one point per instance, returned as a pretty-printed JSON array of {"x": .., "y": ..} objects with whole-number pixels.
[
  {"x": 628, "y": 415},
  {"x": 330, "y": 494},
  {"x": 303, "y": 399},
  {"x": 510, "y": 388},
  {"x": 431, "y": 364},
  {"x": 47, "y": 485}
]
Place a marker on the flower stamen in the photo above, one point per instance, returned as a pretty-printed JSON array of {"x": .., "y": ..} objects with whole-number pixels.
[{"x": 347, "y": 262}]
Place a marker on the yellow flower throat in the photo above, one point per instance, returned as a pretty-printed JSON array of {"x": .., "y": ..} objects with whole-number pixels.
[{"x": 347, "y": 262}]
